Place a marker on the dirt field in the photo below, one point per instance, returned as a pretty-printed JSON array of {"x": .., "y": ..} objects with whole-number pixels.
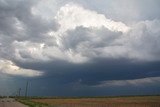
[{"x": 148, "y": 101}]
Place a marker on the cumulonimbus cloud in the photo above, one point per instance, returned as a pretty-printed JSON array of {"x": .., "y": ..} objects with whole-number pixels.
[
  {"x": 77, "y": 35},
  {"x": 71, "y": 16},
  {"x": 84, "y": 34}
]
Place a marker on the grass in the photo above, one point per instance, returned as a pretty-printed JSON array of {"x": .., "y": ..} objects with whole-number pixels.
[
  {"x": 141, "y": 101},
  {"x": 31, "y": 103},
  {"x": 119, "y": 101},
  {"x": 82, "y": 97}
]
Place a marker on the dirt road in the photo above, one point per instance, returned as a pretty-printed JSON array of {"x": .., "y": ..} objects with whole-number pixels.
[{"x": 9, "y": 102}]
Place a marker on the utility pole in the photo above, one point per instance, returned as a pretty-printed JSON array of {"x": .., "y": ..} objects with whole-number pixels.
[
  {"x": 26, "y": 90},
  {"x": 19, "y": 92}
]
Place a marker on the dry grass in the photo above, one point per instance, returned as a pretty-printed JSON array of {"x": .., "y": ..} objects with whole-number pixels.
[{"x": 150, "y": 101}]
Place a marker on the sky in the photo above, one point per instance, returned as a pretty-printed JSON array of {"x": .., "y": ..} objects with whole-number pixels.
[{"x": 80, "y": 47}]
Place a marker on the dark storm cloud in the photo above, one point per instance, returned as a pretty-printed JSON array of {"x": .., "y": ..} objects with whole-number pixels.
[
  {"x": 66, "y": 79},
  {"x": 53, "y": 87},
  {"x": 78, "y": 49},
  {"x": 94, "y": 73}
]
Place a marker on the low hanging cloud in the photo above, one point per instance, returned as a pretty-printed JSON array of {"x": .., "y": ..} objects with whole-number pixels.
[
  {"x": 134, "y": 82},
  {"x": 8, "y": 67}
]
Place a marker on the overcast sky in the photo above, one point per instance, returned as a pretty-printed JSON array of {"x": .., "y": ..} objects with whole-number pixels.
[{"x": 80, "y": 47}]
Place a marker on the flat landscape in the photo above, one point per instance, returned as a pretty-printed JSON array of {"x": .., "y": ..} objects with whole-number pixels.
[{"x": 143, "y": 101}]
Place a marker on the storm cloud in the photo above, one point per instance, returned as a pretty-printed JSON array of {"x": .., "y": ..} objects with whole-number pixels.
[{"x": 74, "y": 44}]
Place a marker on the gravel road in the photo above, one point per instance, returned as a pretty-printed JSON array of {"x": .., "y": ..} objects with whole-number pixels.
[{"x": 10, "y": 102}]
